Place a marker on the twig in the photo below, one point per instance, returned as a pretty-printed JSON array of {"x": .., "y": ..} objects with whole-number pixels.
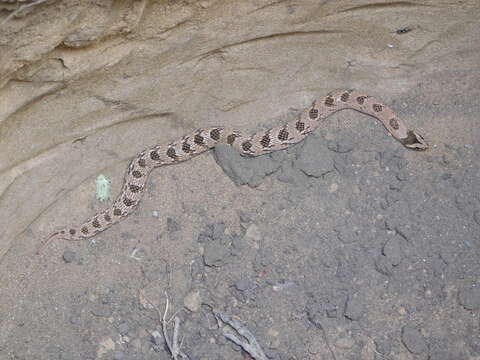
[
  {"x": 21, "y": 8},
  {"x": 173, "y": 346},
  {"x": 251, "y": 346}
]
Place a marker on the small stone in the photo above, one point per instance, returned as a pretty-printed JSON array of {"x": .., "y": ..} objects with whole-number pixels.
[
  {"x": 238, "y": 245},
  {"x": 75, "y": 320},
  {"x": 413, "y": 340},
  {"x": 155, "y": 213},
  {"x": 218, "y": 231},
  {"x": 215, "y": 254},
  {"x": 193, "y": 301},
  {"x": 105, "y": 346},
  {"x": 354, "y": 309},
  {"x": 333, "y": 188},
  {"x": 253, "y": 232},
  {"x": 242, "y": 284},
  {"x": 348, "y": 235},
  {"x": 469, "y": 298},
  {"x": 203, "y": 237},
  {"x": 69, "y": 256},
  {"x": 123, "y": 329},
  {"x": 245, "y": 217}
]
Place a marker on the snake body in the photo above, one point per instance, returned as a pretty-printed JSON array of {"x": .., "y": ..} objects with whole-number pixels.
[{"x": 260, "y": 143}]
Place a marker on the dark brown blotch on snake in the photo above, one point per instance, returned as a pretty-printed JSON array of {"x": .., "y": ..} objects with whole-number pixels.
[
  {"x": 231, "y": 139},
  {"x": 313, "y": 113},
  {"x": 171, "y": 153},
  {"x": 186, "y": 148},
  {"x": 134, "y": 188},
  {"x": 136, "y": 174},
  {"x": 128, "y": 202},
  {"x": 198, "y": 139},
  {"x": 394, "y": 123},
  {"x": 215, "y": 134},
  {"x": 247, "y": 145},
  {"x": 283, "y": 135},
  {"x": 154, "y": 155},
  {"x": 361, "y": 100},
  {"x": 300, "y": 126},
  {"x": 265, "y": 140}
]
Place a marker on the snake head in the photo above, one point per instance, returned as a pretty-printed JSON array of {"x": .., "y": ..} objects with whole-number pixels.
[{"x": 414, "y": 141}]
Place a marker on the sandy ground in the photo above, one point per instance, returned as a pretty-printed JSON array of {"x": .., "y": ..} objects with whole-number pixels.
[{"x": 346, "y": 246}]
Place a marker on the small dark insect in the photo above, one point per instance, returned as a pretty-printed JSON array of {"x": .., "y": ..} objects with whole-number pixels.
[{"x": 403, "y": 30}]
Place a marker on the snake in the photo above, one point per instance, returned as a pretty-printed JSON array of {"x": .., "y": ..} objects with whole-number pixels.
[{"x": 260, "y": 143}]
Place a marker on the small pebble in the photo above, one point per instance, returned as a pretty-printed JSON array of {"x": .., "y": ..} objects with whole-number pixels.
[
  {"x": 469, "y": 298},
  {"x": 218, "y": 231},
  {"x": 215, "y": 254},
  {"x": 69, "y": 256},
  {"x": 413, "y": 340},
  {"x": 123, "y": 329},
  {"x": 242, "y": 284},
  {"x": 382, "y": 346},
  {"x": 333, "y": 188},
  {"x": 354, "y": 309}
]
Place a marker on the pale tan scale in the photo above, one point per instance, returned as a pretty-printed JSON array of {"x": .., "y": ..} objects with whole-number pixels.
[{"x": 260, "y": 143}]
